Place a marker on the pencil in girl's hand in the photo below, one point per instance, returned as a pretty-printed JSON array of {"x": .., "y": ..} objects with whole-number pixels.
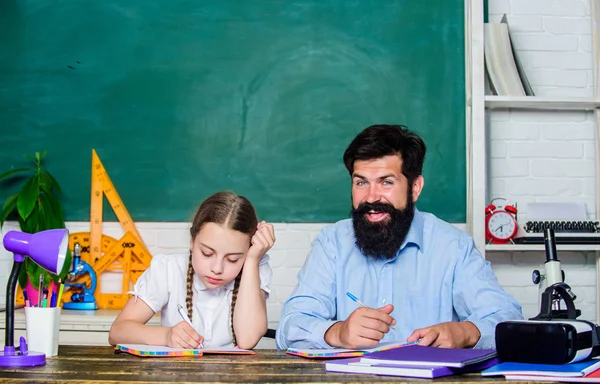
[{"x": 185, "y": 317}]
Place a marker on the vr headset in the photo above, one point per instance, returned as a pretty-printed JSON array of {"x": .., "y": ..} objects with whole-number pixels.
[
  {"x": 548, "y": 339},
  {"x": 554, "y": 336}
]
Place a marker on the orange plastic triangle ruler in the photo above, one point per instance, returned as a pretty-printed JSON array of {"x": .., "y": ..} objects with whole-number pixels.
[{"x": 102, "y": 185}]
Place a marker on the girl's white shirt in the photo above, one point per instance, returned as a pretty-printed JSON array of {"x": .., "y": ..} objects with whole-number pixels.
[{"x": 163, "y": 285}]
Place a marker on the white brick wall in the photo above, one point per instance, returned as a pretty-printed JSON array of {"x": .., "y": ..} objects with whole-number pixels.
[
  {"x": 546, "y": 155},
  {"x": 535, "y": 156},
  {"x": 287, "y": 256}
]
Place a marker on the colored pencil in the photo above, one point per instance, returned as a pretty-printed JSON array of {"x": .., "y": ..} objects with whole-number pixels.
[{"x": 60, "y": 292}]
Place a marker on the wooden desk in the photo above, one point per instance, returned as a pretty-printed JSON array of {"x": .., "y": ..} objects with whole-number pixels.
[{"x": 89, "y": 364}]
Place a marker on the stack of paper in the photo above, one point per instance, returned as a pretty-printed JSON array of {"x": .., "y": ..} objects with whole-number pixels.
[
  {"x": 581, "y": 372},
  {"x": 417, "y": 361}
]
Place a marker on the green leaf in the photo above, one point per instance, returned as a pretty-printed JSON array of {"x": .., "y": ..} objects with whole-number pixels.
[
  {"x": 53, "y": 209},
  {"x": 23, "y": 276},
  {"x": 33, "y": 272},
  {"x": 27, "y": 197},
  {"x": 30, "y": 158},
  {"x": 45, "y": 182},
  {"x": 32, "y": 223},
  {"x": 54, "y": 182},
  {"x": 22, "y": 224},
  {"x": 13, "y": 171},
  {"x": 48, "y": 183},
  {"x": 43, "y": 155},
  {"x": 9, "y": 206},
  {"x": 46, "y": 218},
  {"x": 66, "y": 267}
]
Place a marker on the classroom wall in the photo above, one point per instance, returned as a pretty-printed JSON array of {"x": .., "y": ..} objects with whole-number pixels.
[
  {"x": 546, "y": 155},
  {"x": 535, "y": 156}
]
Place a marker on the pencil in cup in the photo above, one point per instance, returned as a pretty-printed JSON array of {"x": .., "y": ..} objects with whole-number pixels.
[
  {"x": 27, "y": 303},
  {"x": 51, "y": 295},
  {"x": 355, "y": 299},
  {"x": 185, "y": 317},
  {"x": 60, "y": 292},
  {"x": 40, "y": 290}
]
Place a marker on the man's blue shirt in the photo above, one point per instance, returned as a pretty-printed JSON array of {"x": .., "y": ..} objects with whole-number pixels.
[{"x": 437, "y": 276}]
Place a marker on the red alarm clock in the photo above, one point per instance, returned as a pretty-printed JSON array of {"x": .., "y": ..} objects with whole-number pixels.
[{"x": 500, "y": 222}]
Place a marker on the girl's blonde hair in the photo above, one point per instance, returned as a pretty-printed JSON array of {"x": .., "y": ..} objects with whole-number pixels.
[{"x": 236, "y": 213}]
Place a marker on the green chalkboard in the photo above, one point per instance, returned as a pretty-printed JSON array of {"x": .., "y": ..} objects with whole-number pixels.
[{"x": 184, "y": 98}]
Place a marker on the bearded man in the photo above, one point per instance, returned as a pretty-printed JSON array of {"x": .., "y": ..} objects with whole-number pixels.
[{"x": 421, "y": 278}]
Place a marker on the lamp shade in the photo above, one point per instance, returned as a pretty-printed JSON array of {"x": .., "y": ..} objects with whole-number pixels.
[{"x": 46, "y": 248}]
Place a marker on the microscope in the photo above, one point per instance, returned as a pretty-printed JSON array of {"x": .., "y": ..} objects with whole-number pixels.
[
  {"x": 554, "y": 276},
  {"x": 554, "y": 336},
  {"x": 82, "y": 296}
]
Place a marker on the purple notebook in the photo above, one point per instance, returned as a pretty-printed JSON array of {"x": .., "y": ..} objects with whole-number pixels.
[
  {"x": 417, "y": 355},
  {"x": 354, "y": 365}
]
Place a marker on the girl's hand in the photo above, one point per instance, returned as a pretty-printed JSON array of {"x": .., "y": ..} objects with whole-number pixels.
[
  {"x": 184, "y": 335},
  {"x": 262, "y": 241}
]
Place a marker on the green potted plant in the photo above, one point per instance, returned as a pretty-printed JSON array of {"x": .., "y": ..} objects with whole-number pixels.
[{"x": 36, "y": 207}]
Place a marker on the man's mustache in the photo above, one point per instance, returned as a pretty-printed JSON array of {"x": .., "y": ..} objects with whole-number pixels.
[{"x": 377, "y": 207}]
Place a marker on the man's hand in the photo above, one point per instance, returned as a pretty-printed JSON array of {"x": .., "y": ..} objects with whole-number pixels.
[
  {"x": 462, "y": 334},
  {"x": 365, "y": 327},
  {"x": 183, "y": 335}
]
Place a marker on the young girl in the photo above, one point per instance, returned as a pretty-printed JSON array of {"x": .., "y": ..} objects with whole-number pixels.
[{"x": 223, "y": 283}]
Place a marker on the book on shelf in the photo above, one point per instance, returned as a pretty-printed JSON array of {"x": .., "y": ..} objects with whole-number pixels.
[
  {"x": 520, "y": 68},
  {"x": 354, "y": 365},
  {"x": 502, "y": 70}
]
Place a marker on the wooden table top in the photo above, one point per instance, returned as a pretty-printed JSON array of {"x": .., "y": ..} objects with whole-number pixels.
[{"x": 87, "y": 364}]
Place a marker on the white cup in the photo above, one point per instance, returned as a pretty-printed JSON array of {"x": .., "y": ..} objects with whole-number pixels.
[{"x": 42, "y": 329}]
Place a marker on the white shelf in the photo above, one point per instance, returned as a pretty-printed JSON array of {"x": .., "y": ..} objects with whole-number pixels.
[
  {"x": 540, "y": 247},
  {"x": 76, "y": 327},
  {"x": 536, "y": 102}
]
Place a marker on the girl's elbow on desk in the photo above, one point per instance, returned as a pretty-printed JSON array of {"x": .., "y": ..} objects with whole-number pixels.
[{"x": 249, "y": 341}]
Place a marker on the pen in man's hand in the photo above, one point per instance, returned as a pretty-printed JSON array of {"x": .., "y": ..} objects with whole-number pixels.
[
  {"x": 355, "y": 299},
  {"x": 185, "y": 317}
]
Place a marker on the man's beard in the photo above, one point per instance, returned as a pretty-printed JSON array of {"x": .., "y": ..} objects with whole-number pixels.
[{"x": 382, "y": 239}]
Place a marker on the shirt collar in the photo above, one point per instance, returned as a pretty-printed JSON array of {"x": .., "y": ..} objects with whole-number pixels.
[
  {"x": 415, "y": 232},
  {"x": 199, "y": 285},
  {"x": 414, "y": 235}
]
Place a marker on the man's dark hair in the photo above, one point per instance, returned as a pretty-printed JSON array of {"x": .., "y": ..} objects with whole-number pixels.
[{"x": 382, "y": 140}]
